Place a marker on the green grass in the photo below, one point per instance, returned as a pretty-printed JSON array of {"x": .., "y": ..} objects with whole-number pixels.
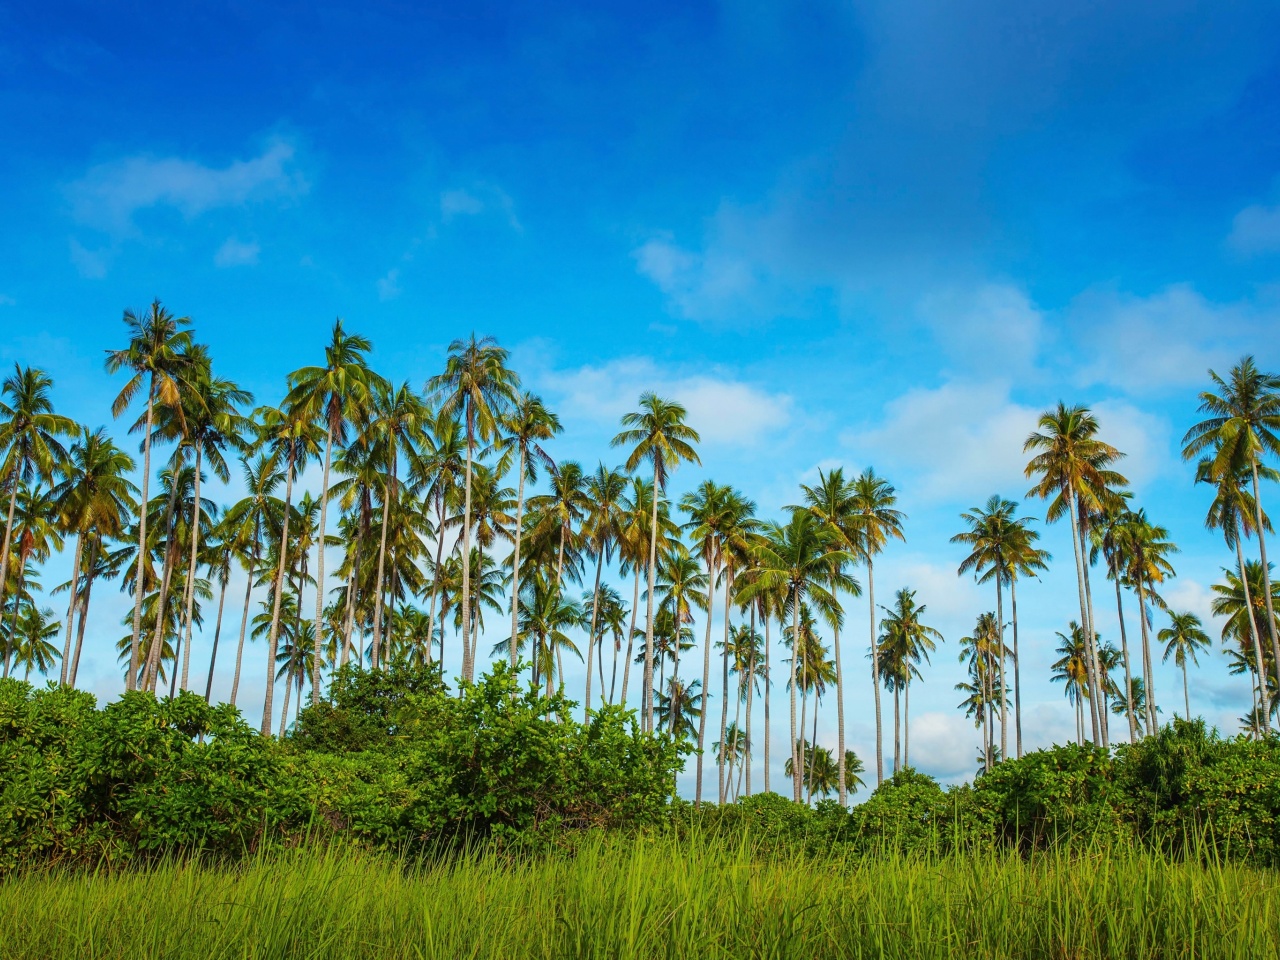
[{"x": 647, "y": 898}]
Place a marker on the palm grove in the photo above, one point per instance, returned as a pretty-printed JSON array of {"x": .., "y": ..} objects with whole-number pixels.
[{"x": 453, "y": 523}]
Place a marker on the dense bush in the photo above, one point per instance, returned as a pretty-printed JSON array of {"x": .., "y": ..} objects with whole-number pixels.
[{"x": 396, "y": 760}]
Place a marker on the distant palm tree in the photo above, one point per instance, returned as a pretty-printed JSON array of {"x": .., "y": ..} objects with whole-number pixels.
[
  {"x": 1147, "y": 548},
  {"x": 33, "y": 634},
  {"x": 905, "y": 642},
  {"x": 657, "y": 434},
  {"x": 1182, "y": 639},
  {"x": 477, "y": 385},
  {"x": 601, "y": 532},
  {"x": 679, "y": 707},
  {"x": 157, "y": 352},
  {"x": 1072, "y": 670},
  {"x": 37, "y": 533}
]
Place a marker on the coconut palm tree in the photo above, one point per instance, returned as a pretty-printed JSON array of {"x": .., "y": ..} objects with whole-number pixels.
[
  {"x": 904, "y": 643},
  {"x": 832, "y": 501},
  {"x": 291, "y": 439},
  {"x": 1074, "y": 474},
  {"x": 1071, "y": 669},
  {"x": 679, "y": 707},
  {"x": 878, "y": 521},
  {"x": 982, "y": 651},
  {"x": 525, "y": 427},
  {"x": 1242, "y": 427},
  {"x": 601, "y": 535},
  {"x": 32, "y": 636},
  {"x": 1239, "y": 602},
  {"x": 29, "y": 438},
  {"x": 37, "y": 533},
  {"x": 738, "y": 533},
  {"x": 476, "y": 385},
  {"x": 1148, "y": 548},
  {"x": 1025, "y": 559},
  {"x": 1182, "y": 639},
  {"x": 335, "y": 393},
  {"x": 657, "y": 434},
  {"x": 1106, "y": 533},
  {"x": 157, "y": 352}
]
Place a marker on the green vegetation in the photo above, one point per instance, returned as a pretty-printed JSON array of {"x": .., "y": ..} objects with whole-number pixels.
[{"x": 625, "y": 898}]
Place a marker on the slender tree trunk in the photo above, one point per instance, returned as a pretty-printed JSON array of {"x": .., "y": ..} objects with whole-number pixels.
[
  {"x": 1072, "y": 509},
  {"x": 1263, "y": 692},
  {"x": 515, "y": 576},
  {"x": 724, "y": 681},
  {"x": 217, "y": 634},
  {"x": 324, "y": 516},
  {"x": 1266, "y": 576},
  {"x": 1186, "y": 693},
  {"x": 244, "y": 617},
  {"x": 906, "y": 723},
  {"x": 1148, "y": 680},
  {"x": 706, "y": 686},
  {"x": 751, "y": 684},
  {"x": 768, "y": 683},
  {"x": 435, "y": 590},
  {"x": 840, "y": 770},
  {"x": 897, "y": 730},
  {"x": 648, "y": 622},
  {"x": 797, "y": 760},
  {"x": 813, "y": 752},
  {"x": 389, "y": 490},
  {"x": 71, "y": 607},
  {"x": 274, "y": 636},
  {"x": 131, "y": 682},
  {"x": 1103, "y": 721},
  {"x": 613, "y": 677},
  {"x": 284, "y": 711},
  {"x": 84, "y": 616},
  {"x": 16, "y": 479},
  {"x": 349, "y": 610},
  {"x": 467, "y": 666},
  {"x": 631, "y": 632},
  {"x": 191, "y": 574},
  {"x": 591, "y": 639},
  {"x": 1128, "y": 672},
  {"x": 1004, "y": 698},
  {"x": 800, "y": 747},
  {"x": 875, "y": 672},
  {"x": 1017, "y": 667},
  {"x": 17, "y": 607},
  {"x": 151, "y": 671}
]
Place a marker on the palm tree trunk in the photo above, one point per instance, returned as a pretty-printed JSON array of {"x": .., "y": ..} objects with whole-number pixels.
[
  {"x": 131, "y": 682},
  {"x": 1072, "y": 509},
  {"x": 875, "y": 672},
  {"x": 724, "y": 681},
  {"x": 706, "y": 686},
  {"x": 1253, "y": 634},
  {"x": 751, "y": 684},
  {"x": 840, "y": 771},
  {"x": 274, "y": 636},
  {"x": 467, "y": 667},
  {"x": 435, "y": 589},
  {"x": 388, "y": 490},
  {"x": 284, "y": 711},
  {"x": 800, "y": 744},
  {"x": 349, "y": 611},
  {"x": 191, "y": 573},
  {"x": 897, "y": 730},
  {"x": 515, "y": 576},
  {"x": 1266, "y": 575},
  {"x": 796, "y": 759},
  {"x": 1017, "y": 666},
  {"x": 1103, "y": 724},
  {"x": 152, "y": 671},
  {"x": 906, "y": 723},
  {"x": 813, "y": 753},
  {"x": 244, "y": 617},
  {"x": 217, "y": 633},
  {"x": 1186, "y": 695},
  {"x": 1128, "y": 673},
  {"x": 17, "y": 606},
  {"x": 16, "y": 478},
  {"x": 768, "y": 682},
  {"x": 71, "y": 607},
  {"x": 631, "y": 632},
  {"x": 1004, "y": 699},
  {"x": 613, "y": 676},
  {"x": 1148, "y": 680},
  {"x": 647, "y": 690},
  {"x": 591, "y": 637},
  {"x": 324, "y": 516},
  {"x": 84, "y": 616}
]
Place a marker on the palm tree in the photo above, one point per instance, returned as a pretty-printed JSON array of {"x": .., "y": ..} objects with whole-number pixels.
[
  {"x": 601, "y": 533},
  {"x": 526, "y": 426},
  {"x": 1025, "y": 560},
  {"x": 1240, "y": 603},
  {"x": 29, "y": 432},
  {"x": 1074, "y": 470},
  {"x": 799, "y": 557},
  {"x": 1242, "y": 427},
  {"x": 1182, "y": 639},
  {"x": 157, "y": 352},
  {"x": 1147, "y": 547},
  {"x": 92, "y": 501},
  {"x": 335, "y": 394},
  {"x": 877, "y": 522},
  {"x": 904, "y": 642},
  {"x": 1234, "y": 512},
  {"x": 832, "y": 501},
  {"x": 37, "y": 532},
  {"x": 657, "y": 434},
  {"x": 291, "y": 438},
  {"x": 982, "y": 650},
  {"x": 1106, "y": 532},
  {"x": 679, "y": 707},
  {"x": 32, "y": 637},
  {"x": 476, "y": 384}
]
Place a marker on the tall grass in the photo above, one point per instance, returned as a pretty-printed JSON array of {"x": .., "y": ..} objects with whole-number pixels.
[{"x": 641, "y": 898}]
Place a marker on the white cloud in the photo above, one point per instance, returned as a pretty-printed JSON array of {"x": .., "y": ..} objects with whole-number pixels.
[
  {"x": 961, "y": 441},
  {"x": 945, "y": 745},
  {"x": 992, "y": 328},
  {"x": 107, "y": 197},
  {"x": 478, "y": 199},
  {"x": 714, "y": 285},
  {"x": 1255, "y": 230},
  {"x": 722, "y": 409},
  {"x": 237, "y": 253},
  {"x": 92, "y": 264},
  {"x": 389, "y": 285},
  {"x": 1144, "y": 438}
]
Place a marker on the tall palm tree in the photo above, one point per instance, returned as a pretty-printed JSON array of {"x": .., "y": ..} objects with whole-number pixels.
[
  {"x": 436, "y": 471},
  {"x": 526, "y": 426},
  {"x": 1106, "y": 532},
  {"x": 37, "y": 533},
  {"x": 877, "y": 521},
  {"x": 1148, "y": 548},
  {"x": 657, "y": 434},
  {"x": 1074, "y": 473},
  {"x": 1182, "y": 639},
  {"x": 1025, "y": 560},
  {"x": 334, "y": 393},
  {"x": 157, "y": 352},
  {"x": 1071, "y": 669},
  {"x": 1240, "y": 603},
  {"x": 92, "y": 500},
  {"x": 799, "y": 557},
  {"x": 679, "y": 706},
  {"x": 291, "y": 440},
  {"x": 906, "y": 641},
  {"x": 601, "y": 533},
  {"x": 982, "y": 650},
  {"x": 477, "y": 385},
  {"x": 29, "y": 432},
  {"x": 1242, "y": 427}
]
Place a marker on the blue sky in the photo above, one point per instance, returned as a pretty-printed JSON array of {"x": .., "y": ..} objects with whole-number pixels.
[{"x": 864, "y": 233}]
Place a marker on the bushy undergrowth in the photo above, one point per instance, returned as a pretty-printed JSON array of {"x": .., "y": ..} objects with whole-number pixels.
[{"x": 394, "y": 760}]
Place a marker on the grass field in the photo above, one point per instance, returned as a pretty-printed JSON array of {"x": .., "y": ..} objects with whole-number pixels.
[{"x": 641, "y": 899}]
